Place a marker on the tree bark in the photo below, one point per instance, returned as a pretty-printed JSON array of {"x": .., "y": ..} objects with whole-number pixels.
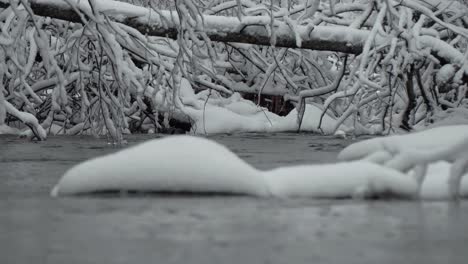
[{"x": 405, "y": 123}]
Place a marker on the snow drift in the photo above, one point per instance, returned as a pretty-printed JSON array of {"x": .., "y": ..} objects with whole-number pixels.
[
  {"x": 342, "y": 180},
  {"x": 172, "y": 164},
  {"x": 435, "y": 185},
  {"x": 422, "y": 153},
  {"x": 198, "y": 165},
  {"x": 444, "y": 137},
  {"x": 211, "y": 114}
]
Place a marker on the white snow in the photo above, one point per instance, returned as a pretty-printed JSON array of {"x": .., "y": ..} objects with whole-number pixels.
[
  {"x": 193, "y": 164},
  {"x": 172, "y": 164},
  {"x": 451, "y": 116},
  {"x": 431, "y": 148},
  {"x": 214, "y": 114},
  {"x": 27, "y": 118},
  {"x": 445, "y": 73},
  {"x": 446, "y": 137},
  {"x": 215, "y": 119},
  {"x": 4, "y": 129},
  {"x": 244, "y": 116},
  {"x": 435, "y": 186},
  {"x": 342, "y": 180},
  {"x": 311, "y": 121}
]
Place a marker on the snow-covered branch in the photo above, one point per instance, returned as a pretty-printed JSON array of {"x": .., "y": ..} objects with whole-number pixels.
[{"x": 109, "y": 67}]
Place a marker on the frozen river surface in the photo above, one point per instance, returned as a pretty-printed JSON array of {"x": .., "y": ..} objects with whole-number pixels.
[{"x": 35, "y": 228}]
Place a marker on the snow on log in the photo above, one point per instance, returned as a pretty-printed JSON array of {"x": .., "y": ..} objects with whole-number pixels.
[{"x": 252, "y": 29}]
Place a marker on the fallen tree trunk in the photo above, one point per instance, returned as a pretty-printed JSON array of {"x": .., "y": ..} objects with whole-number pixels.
[{"x": 251, "y": 30}]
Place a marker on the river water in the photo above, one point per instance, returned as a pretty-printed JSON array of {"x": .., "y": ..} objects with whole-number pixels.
[{"x": 35, "y": 228}]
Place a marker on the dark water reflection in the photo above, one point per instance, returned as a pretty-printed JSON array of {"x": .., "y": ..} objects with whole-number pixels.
[{"x": 35, "y": 228}]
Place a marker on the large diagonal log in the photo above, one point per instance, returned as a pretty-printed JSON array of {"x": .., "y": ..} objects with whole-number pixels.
[
  {"x": 251, "y": 29},
  {"x": 165, "y": 23}
]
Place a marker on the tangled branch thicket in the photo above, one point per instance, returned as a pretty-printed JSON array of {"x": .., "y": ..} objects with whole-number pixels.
[{"x": 102, "y": 76}]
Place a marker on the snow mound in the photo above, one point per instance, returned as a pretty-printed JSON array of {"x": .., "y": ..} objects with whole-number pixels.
[
  {"x": 7, "y": 130},
  {"x": 451, "y": 116},
  {"x": 211, "y": 113},
  {"x": 214, "y": 119},
  {"x": 426, "y": 140},
  {"x": 244, "y": 116},
  {"x": 192, "y": 164},
  {"x": 445, "y": 74},
  {"x": 434, "y": 147},
  {"x": 311, "y": 120},
  {"x": 172, "y": 164},
  {"x": 342, "y": 180},
  {"x": 435, "y": 186}
]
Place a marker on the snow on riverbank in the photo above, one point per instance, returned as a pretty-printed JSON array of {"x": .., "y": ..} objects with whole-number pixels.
[
  {"x": 198, "y": 165},
  {"x": 211, "y": 114},
  {"x": 217, "y": 119}
]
